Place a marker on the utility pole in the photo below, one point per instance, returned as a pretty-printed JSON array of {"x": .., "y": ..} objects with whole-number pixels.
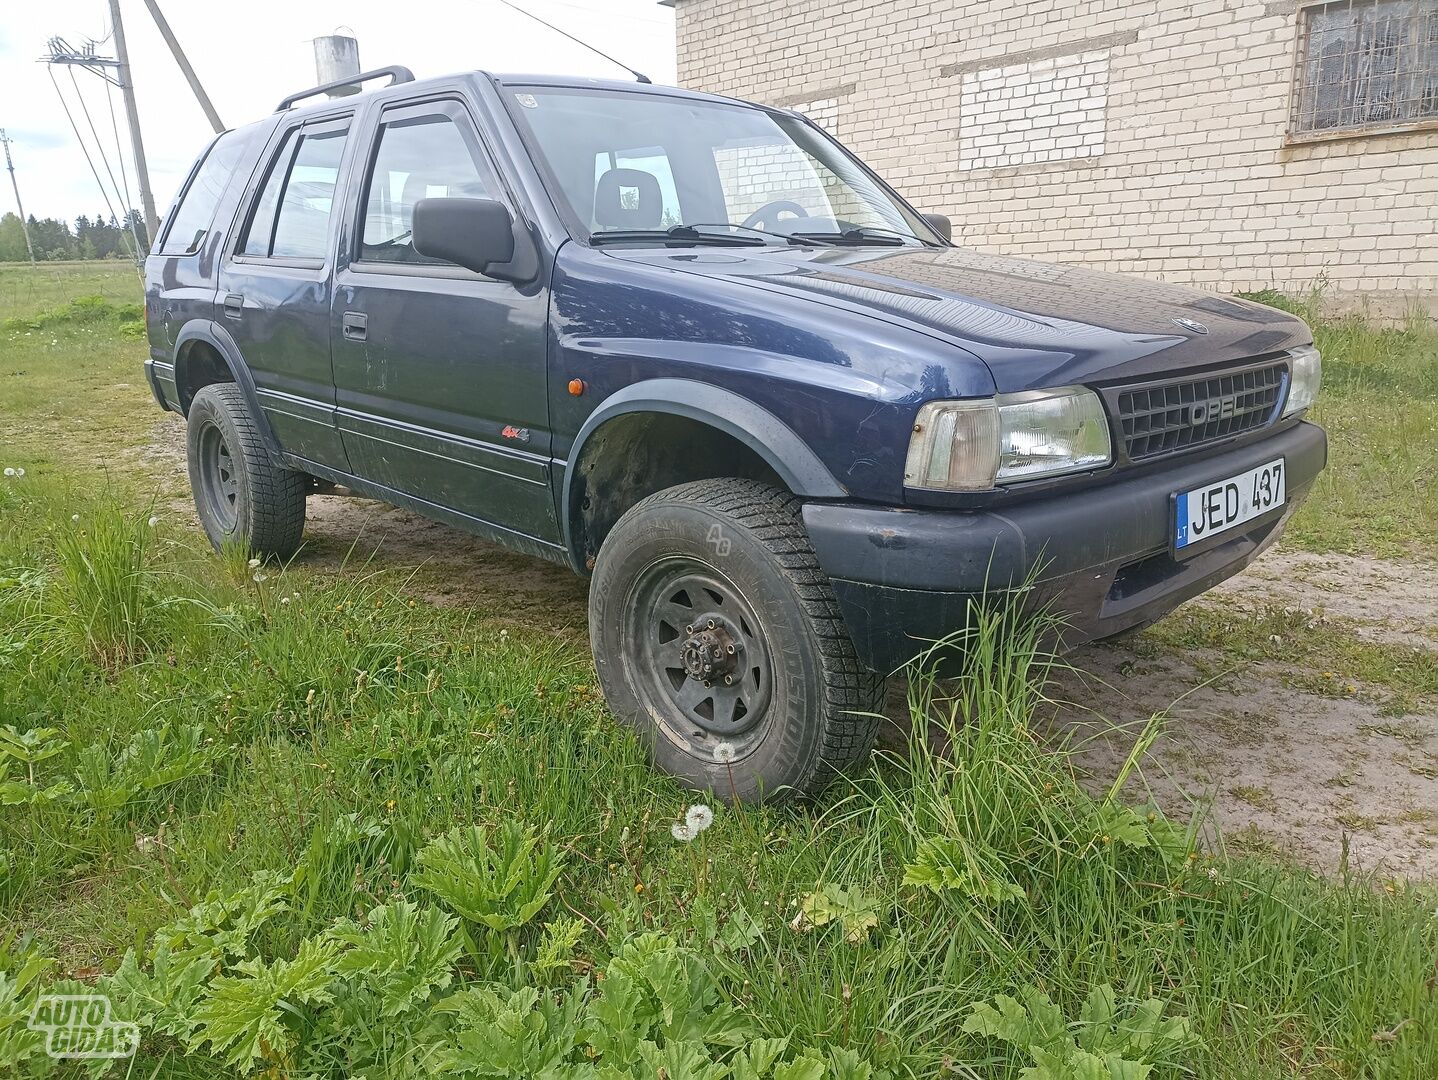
[
  {"x": 127, "y": 91},
  {"x": 24, "y": 223},
  {"x": 184, "y": 62}
]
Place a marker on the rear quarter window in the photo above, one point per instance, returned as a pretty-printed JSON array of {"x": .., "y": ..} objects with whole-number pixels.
[{"x": 194, "y": 213}]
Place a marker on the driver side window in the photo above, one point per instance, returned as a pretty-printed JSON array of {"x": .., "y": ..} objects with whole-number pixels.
[{"x": 423, "y": 157}]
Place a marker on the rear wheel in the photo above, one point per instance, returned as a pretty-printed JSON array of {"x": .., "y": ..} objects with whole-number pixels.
[
  {"x": 241, "y": 497},
  {"x": 717, "y": 637}
]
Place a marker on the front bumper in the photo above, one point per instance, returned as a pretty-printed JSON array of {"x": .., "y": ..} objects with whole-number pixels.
[{"x": 1100, "y": 557}]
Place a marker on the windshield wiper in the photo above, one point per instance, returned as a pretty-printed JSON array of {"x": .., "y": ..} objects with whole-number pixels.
[
  {"x": 680, "y": 234},
  {"x": 690, "y": 228},
  {"x": 866, "y": 234}
]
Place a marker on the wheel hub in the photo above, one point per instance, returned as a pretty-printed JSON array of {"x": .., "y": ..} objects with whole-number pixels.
[
  {"x": 698, "y": 651},
  {"x": 710, "y": 654}
]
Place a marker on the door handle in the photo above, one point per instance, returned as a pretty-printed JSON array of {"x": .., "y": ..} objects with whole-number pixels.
[
  {"x": 234, "y": 305},
  {"x": 354, "y": 325}
]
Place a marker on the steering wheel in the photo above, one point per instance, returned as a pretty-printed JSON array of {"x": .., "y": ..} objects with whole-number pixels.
[{"x": 768, "y": 214}]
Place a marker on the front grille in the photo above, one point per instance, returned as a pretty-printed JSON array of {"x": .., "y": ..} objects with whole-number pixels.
[{"x": 1164, "y": 417}]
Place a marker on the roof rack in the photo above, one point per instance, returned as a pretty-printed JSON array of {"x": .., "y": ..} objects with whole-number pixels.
[{"x": 395, "y": 72}]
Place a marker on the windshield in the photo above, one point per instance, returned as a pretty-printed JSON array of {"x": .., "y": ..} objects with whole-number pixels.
[{"x": 631, "y": 166}]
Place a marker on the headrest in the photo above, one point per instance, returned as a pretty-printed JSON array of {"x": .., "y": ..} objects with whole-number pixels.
[{"x": 628, "y": 199}]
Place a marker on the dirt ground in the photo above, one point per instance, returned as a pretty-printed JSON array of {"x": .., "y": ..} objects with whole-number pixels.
[
  {"x": 1272, "y": 767},
  {"x": 1275, "y": 767}
]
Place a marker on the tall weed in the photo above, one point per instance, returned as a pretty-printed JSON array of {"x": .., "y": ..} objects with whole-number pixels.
[{"x": 105, "y": 597}]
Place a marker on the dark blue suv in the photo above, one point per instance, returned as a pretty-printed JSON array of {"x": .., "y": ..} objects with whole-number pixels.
[{"x": 692, "y": 347}]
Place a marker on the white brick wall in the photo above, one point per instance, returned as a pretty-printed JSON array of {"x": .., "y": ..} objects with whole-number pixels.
[
  {"x": 824, "y": 112},
  {"x": 1025, "y": 114},
  {"x": 1185, "y": 174}
]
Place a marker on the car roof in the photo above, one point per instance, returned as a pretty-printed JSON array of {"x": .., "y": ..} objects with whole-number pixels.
[{"x": 575, "y": 82}]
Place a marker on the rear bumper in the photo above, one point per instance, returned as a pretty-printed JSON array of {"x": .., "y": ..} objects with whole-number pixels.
[{"x": 1100, "y": 557}]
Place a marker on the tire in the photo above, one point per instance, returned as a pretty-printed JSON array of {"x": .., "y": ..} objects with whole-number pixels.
[
  {"x": 241, "y": 497},
  {"x": 716, "y": 578}
]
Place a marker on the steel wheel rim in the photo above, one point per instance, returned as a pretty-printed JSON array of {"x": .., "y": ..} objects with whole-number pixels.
[
  {"x": 687, "y": 625},
  {"x": 219, "y": 479}
]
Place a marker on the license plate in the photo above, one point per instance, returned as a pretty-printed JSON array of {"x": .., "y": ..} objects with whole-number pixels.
[{"x": 1224, "y": 504}]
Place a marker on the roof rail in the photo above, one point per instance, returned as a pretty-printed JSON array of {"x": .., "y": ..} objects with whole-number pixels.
[{"x": 396, "y": 75}]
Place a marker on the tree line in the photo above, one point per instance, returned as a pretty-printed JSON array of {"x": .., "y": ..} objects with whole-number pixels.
[{"x": 100, "y": 237}]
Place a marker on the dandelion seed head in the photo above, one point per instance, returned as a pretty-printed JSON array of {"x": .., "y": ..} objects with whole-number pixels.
[
  {"x": 261, "y": 577},
  {"x": 154, "y": 521},
  {"x": 698, "y": 818},
  {"x": 284, "y": 600},
  {"x": 724, "y": 751},
  {"x": 74, "y": 517},
  {"x": 9, "y": 472},
  {"x": 681, "y": 832},
  {"x": 253, "y": 563}
]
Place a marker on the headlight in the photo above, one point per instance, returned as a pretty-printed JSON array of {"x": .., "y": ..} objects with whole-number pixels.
[
  {"x": 974, "y": 445},
  {"x": 1305, "y": 373}
]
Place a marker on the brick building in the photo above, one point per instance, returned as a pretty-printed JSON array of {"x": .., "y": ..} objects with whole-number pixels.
[{"x": 1234, "y": 144}]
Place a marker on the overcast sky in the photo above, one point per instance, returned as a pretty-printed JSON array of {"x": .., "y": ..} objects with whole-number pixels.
[{"x": 251, "y": 54}]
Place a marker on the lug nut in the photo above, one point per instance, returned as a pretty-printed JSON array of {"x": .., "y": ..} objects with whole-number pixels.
[
  {"x": 728, "y": 680},
  {"x": 712, "y": 624},
  {"x": 689, "y": 629},
  {"x": 730, "y": 650}
]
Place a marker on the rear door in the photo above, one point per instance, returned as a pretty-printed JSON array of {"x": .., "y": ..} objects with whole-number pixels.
[
  {"x": 274, "y": 296},
  {"x": 179, "y": 271},
  {"x": 439, "y": 372}
]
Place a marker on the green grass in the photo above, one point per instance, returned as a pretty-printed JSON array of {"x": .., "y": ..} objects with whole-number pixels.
[
  {"x": 1380, "y": 407},
  {"x": 301, "y": 820},
  {"x": 28, "y": 291}
]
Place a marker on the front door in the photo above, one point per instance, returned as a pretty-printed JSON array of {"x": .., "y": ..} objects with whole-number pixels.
[
  {"x": 274, "y": 296},
  {"x": 439, "y": 372}
]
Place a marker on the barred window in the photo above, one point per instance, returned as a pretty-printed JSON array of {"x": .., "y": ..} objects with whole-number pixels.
[{"x": 1365, "y": 65}]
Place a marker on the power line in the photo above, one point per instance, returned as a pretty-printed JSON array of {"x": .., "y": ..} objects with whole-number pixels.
[
  {"x": 83, "y": 148},
  {"x": 122, "y": 197},
  {"x": 89, "y": 58},
  {"x": 99, "y": 146}
]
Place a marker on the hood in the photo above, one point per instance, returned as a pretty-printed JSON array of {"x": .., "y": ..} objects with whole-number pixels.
[{"x": 1033, "y": 324}]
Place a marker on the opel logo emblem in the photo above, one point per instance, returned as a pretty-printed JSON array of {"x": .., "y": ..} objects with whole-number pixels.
[{"x": 1191, "y": 324}]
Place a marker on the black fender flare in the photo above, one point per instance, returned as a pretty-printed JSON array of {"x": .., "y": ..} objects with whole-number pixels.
[
  {"x": 218, "y": 338},
  {"x": 756, "y": 427}
]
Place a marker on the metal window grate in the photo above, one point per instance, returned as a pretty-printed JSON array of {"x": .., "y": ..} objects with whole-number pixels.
[
  {"x": 1365, "y": 64},
  {"x": 1165, "y": 417}
]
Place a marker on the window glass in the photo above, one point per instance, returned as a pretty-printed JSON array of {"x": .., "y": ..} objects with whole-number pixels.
[
  {"x": 261, "y": 232},
  {"x": 708, "y": 163},
  {"x": 652, "y": 160},
  {"x": 424, "y": 158},
  {"x": 192, "y": 219},
  {"x": 302, "y": 226},
  {"x": 1366, "y": 64}
]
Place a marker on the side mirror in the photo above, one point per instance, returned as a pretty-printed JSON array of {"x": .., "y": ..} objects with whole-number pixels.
[
  {"x": 941, "y": 225},
  {"x": 478, "y": 234}
]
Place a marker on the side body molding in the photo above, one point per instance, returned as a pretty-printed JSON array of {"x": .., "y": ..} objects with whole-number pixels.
[
  {"x": 218, "y": 338},
  {"x": 774, "y": 441}
]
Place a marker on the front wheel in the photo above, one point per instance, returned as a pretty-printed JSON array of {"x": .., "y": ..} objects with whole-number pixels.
[{"x": 717, "y": 637}]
